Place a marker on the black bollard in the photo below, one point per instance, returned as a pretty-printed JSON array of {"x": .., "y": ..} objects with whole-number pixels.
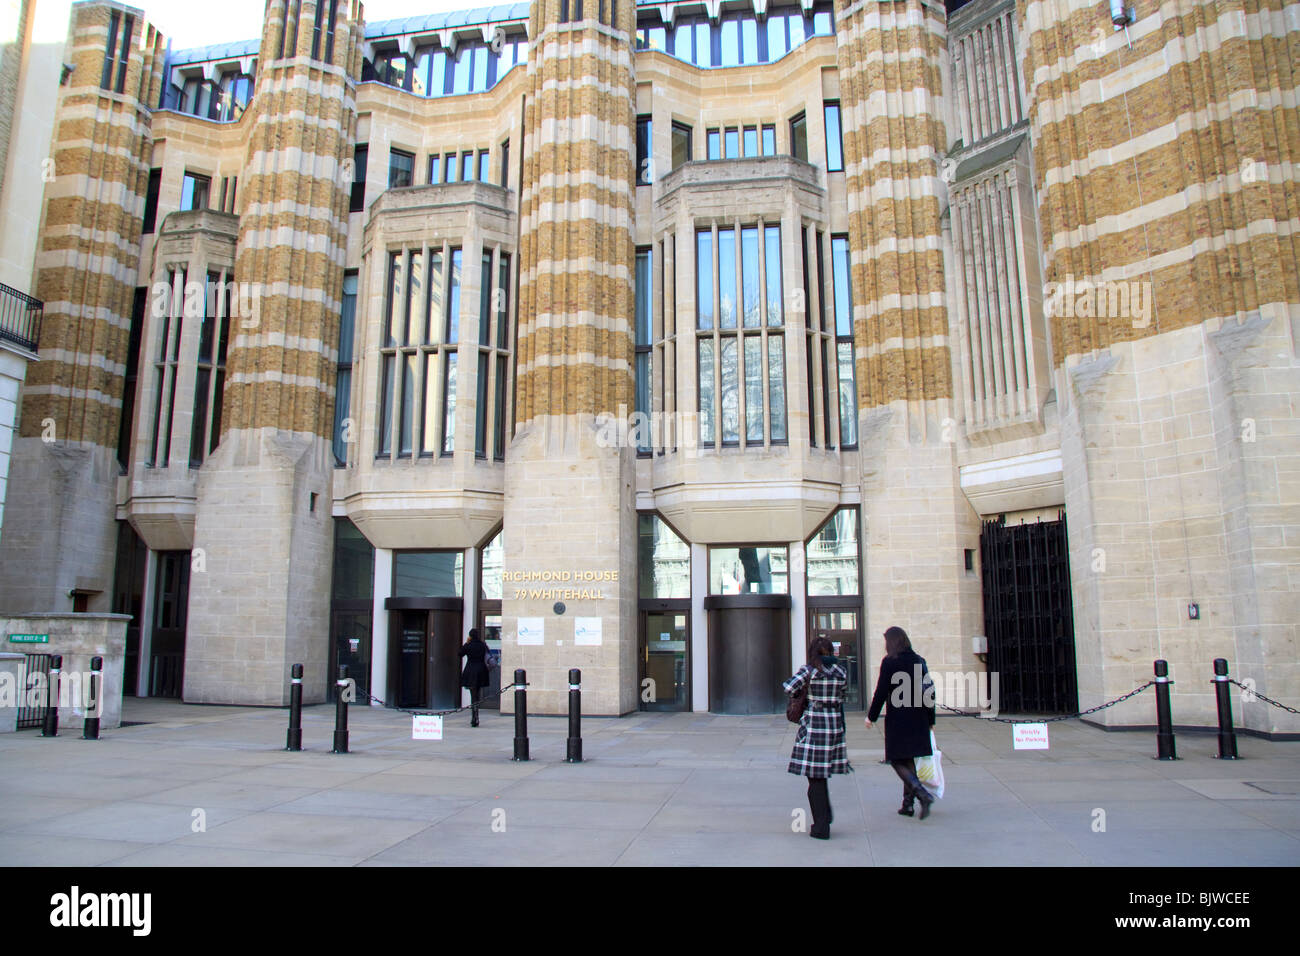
[
  {"x": 1223, "y": 696},
  {"x": 90, "y": 730},
  {"x": 51, "y": 726},
  {"x": 575, "y": 716},
  {"x": 521, "y": 715},
  {"x": 341, "y": 713},
  {"x": 1164, "y": 722},
  {"x": 294, "y": 741}
]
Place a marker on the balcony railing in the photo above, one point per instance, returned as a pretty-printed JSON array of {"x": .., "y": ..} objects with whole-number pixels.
[{"x": 20, "y": 318}]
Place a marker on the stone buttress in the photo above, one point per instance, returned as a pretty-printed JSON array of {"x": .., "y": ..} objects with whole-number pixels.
[
  {"x": 263, "y": 539},
  {"x": 569, "y": 501},
  {"x": 60, "y": 534}
]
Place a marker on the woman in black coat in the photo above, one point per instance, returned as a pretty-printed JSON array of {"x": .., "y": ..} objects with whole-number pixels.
[
  {"x": 905, "y": 686},
  {"x": 475, "y": 675}
]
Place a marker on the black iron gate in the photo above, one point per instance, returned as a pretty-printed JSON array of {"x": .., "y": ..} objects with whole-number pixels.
[
  {"x": 1029, "y": 617},
  {"x": 35, "y": 675}
]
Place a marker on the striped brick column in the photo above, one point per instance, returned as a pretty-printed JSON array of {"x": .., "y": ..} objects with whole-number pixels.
[
  {"x": 574, "y": 361},
  {"x": 1166, "y": 166},
  {"x": 59, "y": 533},
  {"x": 263, "y": 531},
  {"x": 917, "y": 521}
]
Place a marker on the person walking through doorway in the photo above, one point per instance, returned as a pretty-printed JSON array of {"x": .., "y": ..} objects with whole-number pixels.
[
  {"x": 819, "y": 747},
  {"x": 903, "y": 676},
  {"x": 475, "y": 675}
]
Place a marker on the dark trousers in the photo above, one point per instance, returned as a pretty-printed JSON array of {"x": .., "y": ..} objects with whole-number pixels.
[
  {"x": 473, "y": 705},
  {"x": 819, "y": 801}
]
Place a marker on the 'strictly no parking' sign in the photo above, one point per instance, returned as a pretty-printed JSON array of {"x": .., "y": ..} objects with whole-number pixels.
[
  {"x": 426, "y": 727},
  {"x": 1029, "y": 736}
]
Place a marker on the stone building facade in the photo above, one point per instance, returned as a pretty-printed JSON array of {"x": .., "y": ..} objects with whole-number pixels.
[{"x": 655, "y": 339}]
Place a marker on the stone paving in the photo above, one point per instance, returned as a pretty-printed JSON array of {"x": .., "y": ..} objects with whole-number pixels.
[{"x": 654, "y": 790}]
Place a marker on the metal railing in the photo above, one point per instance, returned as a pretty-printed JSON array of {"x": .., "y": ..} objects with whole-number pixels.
[
  {"x": 31, "y": 708},
  {"x": 20, "y": 318}
]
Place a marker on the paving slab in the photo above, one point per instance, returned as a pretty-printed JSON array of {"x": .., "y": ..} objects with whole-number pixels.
[{"x": 655, "y": 790}]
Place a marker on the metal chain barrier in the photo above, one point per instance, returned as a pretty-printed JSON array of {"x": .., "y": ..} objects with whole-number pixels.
[
  {"x": 443, "y": 713},
  {"x": 1048, "y": 720},
  {"x": 1267, "y": 700}
]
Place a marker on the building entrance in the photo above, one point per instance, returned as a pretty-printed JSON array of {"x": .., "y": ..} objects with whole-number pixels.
[
  {"x": 664, "y": 660},
  {"x": 1029, "y": 617},
  {"x": 841, "y": 628},
  {"x": 749, "y": 652},
  {"x": 351, "y": 628},
  {"x": 424, "y": 652},
  {"x": 171, "y": 602}
]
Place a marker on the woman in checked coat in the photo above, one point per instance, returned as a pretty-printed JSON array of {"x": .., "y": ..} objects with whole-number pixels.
[{"x": 819, "y": 748}]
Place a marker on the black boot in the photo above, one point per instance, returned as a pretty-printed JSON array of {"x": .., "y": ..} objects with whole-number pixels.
[
  {"x": 820, "y": 804},
  {"x": 922, "y": 794},
  {"x": 908, "y": 796}
]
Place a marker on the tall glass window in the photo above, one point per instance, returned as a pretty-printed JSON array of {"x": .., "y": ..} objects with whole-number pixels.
[
  {"x": 194, "y": 191},
  {"x": 644, "y": 344},
  {"x": 799, "y": 137},
  {"x": 741, "y": 357},
  {"x": 449, "y": 377},
  {"x": 681, "y": 144},
  {"x": 834, "y": 143},
  {"x": 841, "y": 277},
  {"x": 664, "y": 560},
  {"x": 420, "y": 337},
  {"x": 343, "y": 386},
  {"x": 401, "y": 169},
  {"x": 832, "y": 556},
  {"x": 166, "y": 363},
  {"x": 493, "y": 340},
  {"x": 714, "y": 139},
  {"x": 151, "y": 201},
  {"x": 360, "y": 157},
  {"x": 644, "y": 151},
  {"x": 210, "y": 372}
]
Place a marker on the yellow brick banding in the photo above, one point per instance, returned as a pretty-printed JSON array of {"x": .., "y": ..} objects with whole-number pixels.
[
  {"x": 1224, "y": 246},
  {"x": 885, "y": 51}
]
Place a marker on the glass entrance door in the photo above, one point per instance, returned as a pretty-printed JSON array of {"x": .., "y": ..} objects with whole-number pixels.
[
  {"x": 352, "y": 648},
  {"x": 664, "y": 661},
  {"x": 841, "y": 628}
]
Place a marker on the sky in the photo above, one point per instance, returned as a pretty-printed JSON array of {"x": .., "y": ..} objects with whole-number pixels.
[{"x": 190, "y": 24}]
